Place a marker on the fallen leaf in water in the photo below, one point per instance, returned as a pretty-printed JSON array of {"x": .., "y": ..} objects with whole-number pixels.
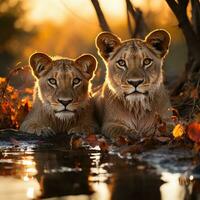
[
  {"x": 193, "y": 131},
  {"x": 178, "y": 130}
]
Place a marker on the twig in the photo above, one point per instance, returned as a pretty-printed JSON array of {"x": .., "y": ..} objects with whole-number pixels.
[
  {"x": 130, "y": 28},
  {"x": 102, "y": 21},
  {"x": 179, "y": 10}
]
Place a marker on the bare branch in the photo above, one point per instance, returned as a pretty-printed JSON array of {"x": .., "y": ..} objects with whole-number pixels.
[
  {"x": 196, "y": 16},
  {"x": 140, "y": 25},
  {"x": 130, "y": 28},
  {"x": 173, "y": 5},
  {"x": 102, "y": 21},
  {"x": 179, "y": 11}
]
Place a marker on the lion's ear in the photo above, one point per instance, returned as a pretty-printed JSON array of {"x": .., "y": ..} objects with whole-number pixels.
[
  {"x": 159, "y": 41},
  {"x": 106, "y": 42},
  {"x": 39, "y": 63},
  {"x": 87, "y": 64}
]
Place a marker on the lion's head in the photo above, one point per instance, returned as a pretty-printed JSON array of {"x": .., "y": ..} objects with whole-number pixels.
[
  {"x": 134, "y": 67},
  {"x": 62, "y": 84}
]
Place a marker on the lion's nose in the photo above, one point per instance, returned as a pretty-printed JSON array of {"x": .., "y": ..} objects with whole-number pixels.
[
  {"x": 135, "y": 83},
  {"x": 65, "y": 102}
]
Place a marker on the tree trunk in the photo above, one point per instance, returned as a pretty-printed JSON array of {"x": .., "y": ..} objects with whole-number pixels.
[{"x": 192, "y": 37}]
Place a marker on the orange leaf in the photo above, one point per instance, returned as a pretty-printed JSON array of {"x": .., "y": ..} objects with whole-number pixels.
[
  {"x": 2, "y": 80},
  {"x": 178, "y": 130},
  {"x": 162, "y": 127},
  {"x": 103, "y": 144},
  {"x": 194, "y": 131}
]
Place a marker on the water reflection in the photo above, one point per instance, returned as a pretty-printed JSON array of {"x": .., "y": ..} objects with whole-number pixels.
[
  {"x": 17, "y": 176},
  {"x": 136, "y": 185},
  {"x": 174, "y": 187},
  {"x": 98, "y": 177},
  {"x": 86, "y": 175}
]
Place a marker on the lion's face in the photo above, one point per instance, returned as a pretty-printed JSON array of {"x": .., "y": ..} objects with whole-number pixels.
[
  {"x": 134, "y": 67},
  {"x": 63, "y": 84}
]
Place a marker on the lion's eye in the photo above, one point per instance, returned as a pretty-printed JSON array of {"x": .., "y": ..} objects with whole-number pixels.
[
  {"x": 147, "y": 62},
  {"x": 121, "y": 63},
  {"x": 76, "y": 81},
  {"x": 52, "y": 81}
]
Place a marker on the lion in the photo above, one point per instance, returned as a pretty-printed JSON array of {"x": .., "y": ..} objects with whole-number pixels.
[
  {"x": 133, "y": 94},
  {"x": 62, "y": 102}
]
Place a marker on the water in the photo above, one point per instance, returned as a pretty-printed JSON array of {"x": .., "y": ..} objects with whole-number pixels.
[{"x": 32, "y": 171}]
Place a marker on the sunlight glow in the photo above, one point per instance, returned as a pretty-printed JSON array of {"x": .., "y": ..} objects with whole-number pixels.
[
  {"x": 12, "y": 188},
  {"x": 26, "y": 178},
  {"x": 30, "y": 193},
  {"x": 32, "y": 171},
  {"x": 102, "y": 191},
  {"x": 58, "y": 10},
  {"x": 171, "y": 189},
  {"x": 27, "y": 162},
  {"x": 29, "y": 167}
]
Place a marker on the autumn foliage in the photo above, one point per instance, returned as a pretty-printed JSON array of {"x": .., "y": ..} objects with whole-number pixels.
[
  {"x": 194, "y": 132},
  {"x": 14, "y": 104}
]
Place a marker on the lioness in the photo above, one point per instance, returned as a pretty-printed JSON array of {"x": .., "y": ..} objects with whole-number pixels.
[
  {"x": 61, "y": 95},
  {"x": 133, "y": 93}
]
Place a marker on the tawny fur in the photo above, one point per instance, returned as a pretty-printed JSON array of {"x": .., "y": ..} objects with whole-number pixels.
[
  {"x": 44, "y": 117},
  {"x": 121, "y": 111}
]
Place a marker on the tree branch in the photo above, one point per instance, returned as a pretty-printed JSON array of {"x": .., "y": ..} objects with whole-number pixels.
[
  {"x": 191, "y": 38},
  {"x": 140, "y": 25},
  {"x": 173, "y": 5},
  {"x": 196, "y": 16},
  {"x": 102, "y": 21},
  {"x": 130, "y": 28}
]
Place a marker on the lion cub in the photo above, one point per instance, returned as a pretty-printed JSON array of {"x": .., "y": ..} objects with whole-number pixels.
[
  {"x": 61, "y": 96},
  {"x": 133, "y": 93}
]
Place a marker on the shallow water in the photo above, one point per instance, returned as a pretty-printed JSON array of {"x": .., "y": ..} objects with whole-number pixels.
[{"x": 32, "y": 171}]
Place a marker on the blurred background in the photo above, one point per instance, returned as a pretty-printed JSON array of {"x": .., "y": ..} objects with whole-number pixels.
[{"x": 68, "y": 28}]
